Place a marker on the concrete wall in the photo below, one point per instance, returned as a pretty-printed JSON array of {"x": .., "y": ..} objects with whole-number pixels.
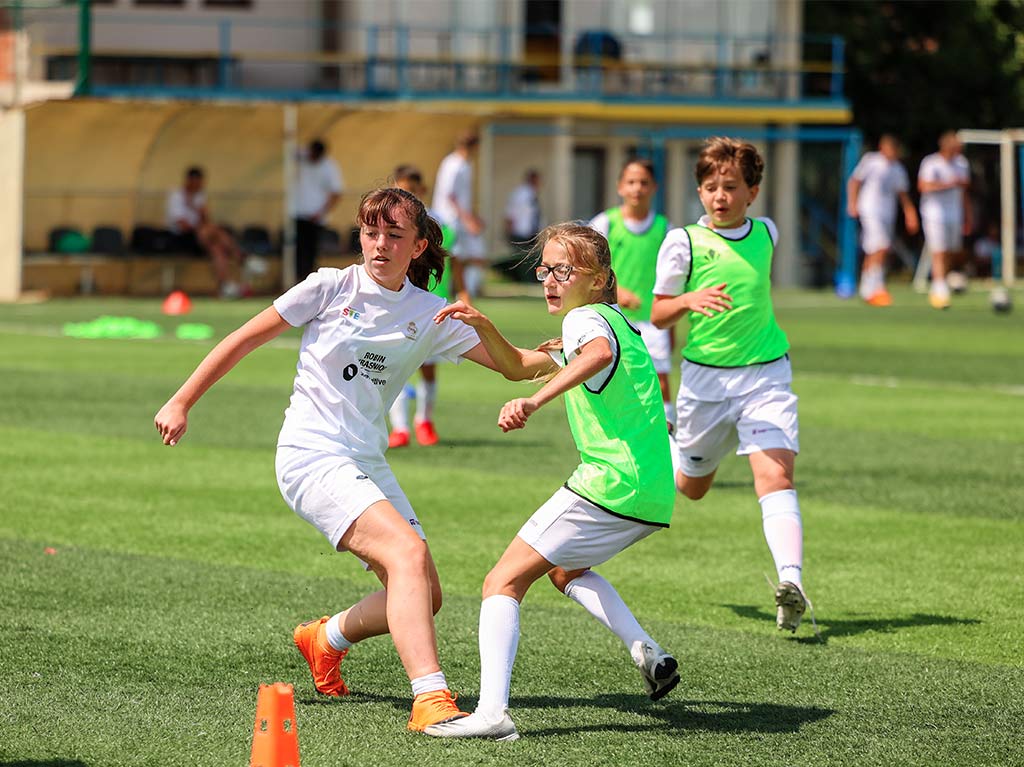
[{"x": 12, "y": 134}]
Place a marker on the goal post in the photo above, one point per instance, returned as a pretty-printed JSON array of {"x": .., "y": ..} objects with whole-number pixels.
[{"x": 1011, "y": 151}]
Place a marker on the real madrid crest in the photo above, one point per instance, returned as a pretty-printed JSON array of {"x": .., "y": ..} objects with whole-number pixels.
[{"x": 410, "y": 331}]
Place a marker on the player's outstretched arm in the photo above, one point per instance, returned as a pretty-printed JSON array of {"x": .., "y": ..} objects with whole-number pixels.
[
  {"x": 594, "y": 356},
  {"x": 172, "y": 420},
  {"x": 495, "y": 351}
]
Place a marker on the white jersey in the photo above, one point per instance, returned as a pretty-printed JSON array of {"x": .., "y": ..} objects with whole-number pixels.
[
  {"x": 523, "y": 211},
  {"x": 361, "y": 344},
  {"x": 703, "y": 382},
  {"x": 945, "y": 206},
  {"x": 182, "y": 207},
  {"x": 882, "y": 181},
  {"x": 454, "y": 179},
  {"x": 600, "y": 223},
  {"x": 580, "y": 326},
  {"x": 315, "y": 185}
]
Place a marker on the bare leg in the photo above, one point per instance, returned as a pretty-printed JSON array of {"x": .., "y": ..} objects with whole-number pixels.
[
  {"x": 383, "y": 538},
  {"x": 694, "y": 488},
  {"x": 368, "y": 617}
]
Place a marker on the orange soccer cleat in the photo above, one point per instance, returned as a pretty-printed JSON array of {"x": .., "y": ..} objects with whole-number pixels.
[
  {"x": 425, "y": 433},
  {"x": 879, "y": 298},
  {"x": 324, "y": 661},
  {"x": 398, "y": 438},
  {"x": 434, "y": 707}
]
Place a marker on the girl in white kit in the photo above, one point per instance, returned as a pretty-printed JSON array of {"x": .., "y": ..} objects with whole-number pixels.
[{"x": 367, "y": 329}]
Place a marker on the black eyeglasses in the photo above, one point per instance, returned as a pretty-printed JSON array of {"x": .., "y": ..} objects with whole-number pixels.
[{"x": 561, "y": 272}]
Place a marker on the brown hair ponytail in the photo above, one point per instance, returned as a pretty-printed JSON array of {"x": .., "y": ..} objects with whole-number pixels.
[{"x": 379, "y": 206}]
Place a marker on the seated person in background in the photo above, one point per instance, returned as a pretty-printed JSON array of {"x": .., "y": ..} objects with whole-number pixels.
[{"x": 189, "y": 220}]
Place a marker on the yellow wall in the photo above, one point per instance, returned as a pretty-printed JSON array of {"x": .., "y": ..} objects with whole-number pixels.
[{"x": 90, "y": 163}]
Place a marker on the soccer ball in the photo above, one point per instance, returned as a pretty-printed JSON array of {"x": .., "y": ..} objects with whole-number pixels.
[
  {"x": 957, "y": 282},
  {"x": 1000, "y": 300}
]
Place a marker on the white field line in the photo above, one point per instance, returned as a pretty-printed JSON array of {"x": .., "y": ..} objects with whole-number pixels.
[
  {"x": 892, "y": 382},
  {"x": 881, "y": 382}
]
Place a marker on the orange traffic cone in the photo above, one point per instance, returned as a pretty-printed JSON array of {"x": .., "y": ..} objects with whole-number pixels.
[
  {"x": 177, "y": 302},
  {"x": 275, "y": 738}
]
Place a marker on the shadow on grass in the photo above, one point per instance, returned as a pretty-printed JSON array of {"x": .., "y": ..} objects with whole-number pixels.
[
  {"x": 841, "y": 628},
  {"x": 685, "y": 715},
  {"x": 682, "y": 715}
]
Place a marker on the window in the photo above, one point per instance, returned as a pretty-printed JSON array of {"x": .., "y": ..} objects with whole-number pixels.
[{"x": 228, "y": 4}]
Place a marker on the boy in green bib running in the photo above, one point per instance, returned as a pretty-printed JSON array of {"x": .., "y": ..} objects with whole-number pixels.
[
  {"x": 736, "y": 376},
  {"x": 635, "y": 233},
  {"x": 621, "y": 492}
]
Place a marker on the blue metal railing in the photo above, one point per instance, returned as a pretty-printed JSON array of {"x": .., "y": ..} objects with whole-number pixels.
[{"x": 433, "y": 61}]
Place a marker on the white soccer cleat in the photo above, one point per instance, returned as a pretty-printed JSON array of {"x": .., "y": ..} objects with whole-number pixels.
[
  {"x": 658, "y": 669},
  {"x": 475, "y": 726},
  {"x": 791, "y": 603}
]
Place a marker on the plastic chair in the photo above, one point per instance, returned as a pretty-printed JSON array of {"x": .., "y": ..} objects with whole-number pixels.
[
  {"x": 256, "y": 240},
  {"x": 108, "y": 240}
]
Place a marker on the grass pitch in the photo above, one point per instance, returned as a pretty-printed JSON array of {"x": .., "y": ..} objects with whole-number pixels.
[{"x": 178, "y": 574}]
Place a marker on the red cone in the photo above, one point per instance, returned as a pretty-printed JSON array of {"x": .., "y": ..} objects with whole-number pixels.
[{"x": 177, "y": 302}]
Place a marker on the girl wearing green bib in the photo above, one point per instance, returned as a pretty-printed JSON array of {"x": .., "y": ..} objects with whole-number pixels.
[
  {"x": 621, "y": 492},
  {"x": 736, "y": 377}
]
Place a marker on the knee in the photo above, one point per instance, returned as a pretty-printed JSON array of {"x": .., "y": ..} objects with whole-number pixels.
[
  {"x": 692, "y": 490},
  {"x": 561, "y": 579},
  {"x": 410, "y": 557},
  {"x": 494, "y": 583}
]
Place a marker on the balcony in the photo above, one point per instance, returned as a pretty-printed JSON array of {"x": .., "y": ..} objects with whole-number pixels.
[{"x": 251, "y": 58}]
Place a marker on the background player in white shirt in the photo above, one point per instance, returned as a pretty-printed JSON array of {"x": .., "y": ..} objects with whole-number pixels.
[
  {"x": 318, "y": 189},
  {"x": 878, "y": 181},
  {"x": 943, "y": 180},
  {"x": 453, "y": 202},
  {"x": 368, "y": 327}
]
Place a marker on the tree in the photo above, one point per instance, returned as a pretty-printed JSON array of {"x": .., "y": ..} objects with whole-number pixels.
[{"x": 917, "y": 67}]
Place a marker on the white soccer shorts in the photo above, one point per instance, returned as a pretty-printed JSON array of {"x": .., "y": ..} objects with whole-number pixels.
[
  {"x": 876, "y": 234},
  {"x": 764, "y": 419},
  {"x": 658, "y": 343},
  {"x": 943, "y": 236},
  {"x": 571, "y": 532},
  {"x": 330, "y": 491}
]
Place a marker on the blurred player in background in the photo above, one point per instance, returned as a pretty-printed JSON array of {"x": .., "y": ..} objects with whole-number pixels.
[
  {"x": 409, "y": 178},
  {"x": 944, "y": 179},
  {"x": 453, "y": 202},
  {"x": 317, "y": 190},
  {"x": 878, "y": 181},
  {"x": 736, "y": 376},
  {"x": 635, "y": 233}
]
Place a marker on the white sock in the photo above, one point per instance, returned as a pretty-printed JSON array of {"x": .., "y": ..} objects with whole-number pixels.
[
  {"x": 783, "y": 530},
  {"x": 499, "y": 640},
  {"x": 335, "y": 638},
  {"x": 599, "y": 598},
  {"x": 673, "y": 447},
  {"x": 429, "y": 683},
  {"x": 473, "y": 277},
  {"x": 872, "y": 280},
  {"x": 426, "y": 396},
  {"x": 399, "y": 412},
  {"x": 670, "y": 411},
  {"x": 940, "y": 288}
]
